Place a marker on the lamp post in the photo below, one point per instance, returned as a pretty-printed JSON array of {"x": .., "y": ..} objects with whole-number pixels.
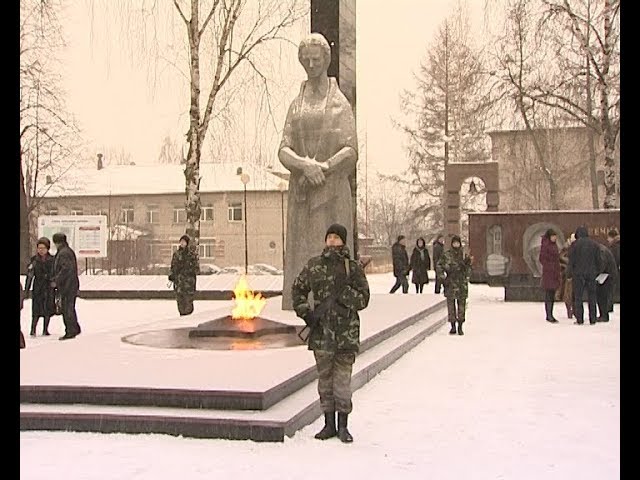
[
  {"x": 244, "y": 178},
  {"x": 282, "y": 186}
]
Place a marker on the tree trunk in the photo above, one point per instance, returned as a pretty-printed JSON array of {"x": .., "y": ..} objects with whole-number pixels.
[
  {"x": 25, "y": 234},
  {"x": 192, "y": 167},
  {"x": 610, "y": 197}
]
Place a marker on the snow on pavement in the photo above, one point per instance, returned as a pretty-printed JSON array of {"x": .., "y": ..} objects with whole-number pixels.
[{"x": 514, "y": 398}]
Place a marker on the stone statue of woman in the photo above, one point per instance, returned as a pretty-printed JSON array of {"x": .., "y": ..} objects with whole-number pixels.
[{"x": 319, "y": 148}]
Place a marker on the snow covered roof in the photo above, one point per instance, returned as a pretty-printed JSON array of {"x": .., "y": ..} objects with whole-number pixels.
[
  {"x": 555, "y": 212},
  {"x": 159, "y": 179}
]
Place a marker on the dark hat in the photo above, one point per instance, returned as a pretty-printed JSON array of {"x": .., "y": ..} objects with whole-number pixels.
[
  {"x": 338, "y": 230},
  {"x": 59, "y": 238},
  {"x": 455, "y": 238},
  {"x": 186, "y": 238},
  {"x": 549, "y": 233},
  {"x": 44, "y": 241},
  {"x": 613, "y": 233},
  {"x": 401, "y": 237}
]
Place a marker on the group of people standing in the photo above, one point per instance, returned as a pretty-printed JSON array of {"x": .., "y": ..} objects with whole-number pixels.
[
  {"x": 418, "y": 264},
  {"x": 452, "y": 268},
  {"x": 53, "y": 282},
  {"x": 582, "y": 266}
]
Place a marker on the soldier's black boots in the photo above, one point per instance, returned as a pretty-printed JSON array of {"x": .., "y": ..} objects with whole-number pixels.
[
  {"x": 453, "y": 328},
  {"x": 329, "y": 429},
  {"x": 343, "y": 433},
  {"x": 34, "y": 324},
  {"x": 460, "y": 332},
  {"x": 45, "y": 328}
]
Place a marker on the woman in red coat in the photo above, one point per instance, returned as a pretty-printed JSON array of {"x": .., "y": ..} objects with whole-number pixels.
[{"x": 550, "y": 260}]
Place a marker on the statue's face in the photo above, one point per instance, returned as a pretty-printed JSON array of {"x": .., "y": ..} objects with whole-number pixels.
[{"x": 313, "y": 60}]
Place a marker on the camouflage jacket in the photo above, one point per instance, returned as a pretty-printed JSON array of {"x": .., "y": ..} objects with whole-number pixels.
[
  {"x": 339, "y": 329},
  {"x": 184, "y": 268},
  {"x": 453, "y": 270}
]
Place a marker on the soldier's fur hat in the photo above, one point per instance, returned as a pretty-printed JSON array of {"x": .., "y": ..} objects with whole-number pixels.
[
  {"x": 338, "y": 230},
  {"x": 456, "y": 238}
]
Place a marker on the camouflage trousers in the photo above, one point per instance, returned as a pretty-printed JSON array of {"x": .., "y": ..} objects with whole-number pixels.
[
  {"x": 456, "y": 312},
  {"x": 334, "y": 380},
  {"x": 185, "y": 303}
]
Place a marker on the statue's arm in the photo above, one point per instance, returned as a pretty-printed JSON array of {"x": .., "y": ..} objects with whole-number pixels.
[
  {"x": 343, "y": 161},
  {"x": 292, "y": 161}
]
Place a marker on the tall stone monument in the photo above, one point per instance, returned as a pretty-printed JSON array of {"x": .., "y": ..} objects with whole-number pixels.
[{"x": 319, "y": 147}]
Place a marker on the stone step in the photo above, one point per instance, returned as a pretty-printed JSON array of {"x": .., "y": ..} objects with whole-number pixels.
[
  {"x": 283, "y": 418},
  {"x": 198, "y": 399}
]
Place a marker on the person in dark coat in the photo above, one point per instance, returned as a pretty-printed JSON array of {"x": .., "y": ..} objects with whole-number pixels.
[
  {"x": 184, "y": 269},
  {"x": 584, "y": 266},
  {"x": 401, "y": 266},
  {"x": 66, "y": 281},
  {"x": 40, "y": 275},
  {"x": 23, "y": 344},
  {"x": 565, "y": 294},
  {"x": 420, "y": 264},
  {"x": 604, "y": 291},
  {"x": 550, "y": 260},
  {"x": 438, "y": 248},
  {"x": 613, "y": 239},
  {"x": 340, "y": 290}
]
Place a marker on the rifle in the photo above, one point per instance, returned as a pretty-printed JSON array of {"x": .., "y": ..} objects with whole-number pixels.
[{"x": 314, "y": 316}]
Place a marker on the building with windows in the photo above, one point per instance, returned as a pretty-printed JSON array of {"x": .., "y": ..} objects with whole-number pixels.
[{"x": 150, "y": 200}]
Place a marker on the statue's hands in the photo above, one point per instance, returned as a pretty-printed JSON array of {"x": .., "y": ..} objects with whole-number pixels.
[{"x": 314, "y": 173}]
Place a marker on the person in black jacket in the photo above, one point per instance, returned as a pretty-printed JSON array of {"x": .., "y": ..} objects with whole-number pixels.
[
  {"x": 584, "y": 266},
  {"x": 400, "y": 265},
  {"x": 604, "y": 291},
  {"x": 420, "y": 264},
  {"x": 40, "y": 275},
  {"x": 438, "y": 248},
  {"x": 613, "y": 238},
  {"x": 65, "y": 279}
]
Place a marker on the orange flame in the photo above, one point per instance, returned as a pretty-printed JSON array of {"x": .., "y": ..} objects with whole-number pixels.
[{"x": 248, "y": 304}]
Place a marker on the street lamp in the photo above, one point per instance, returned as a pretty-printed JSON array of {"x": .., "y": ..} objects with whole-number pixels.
[
  {"x": 244, "y": 178},
  {"x": 282, "y": 186}
]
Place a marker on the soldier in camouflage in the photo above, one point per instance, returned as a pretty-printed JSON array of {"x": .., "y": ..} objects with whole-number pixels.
[
  {"x": 335, "y": 278},
  {"x": 453, "y": 271},
  {"x": 184, "y": 268}
]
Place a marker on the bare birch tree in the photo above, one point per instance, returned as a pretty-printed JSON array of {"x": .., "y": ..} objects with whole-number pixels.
[
  {"x": 594, "y": 26},
  {"x": 223, "y": 40}
]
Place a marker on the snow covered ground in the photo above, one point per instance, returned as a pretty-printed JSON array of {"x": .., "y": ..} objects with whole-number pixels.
[{"x": 514, "y": 398}]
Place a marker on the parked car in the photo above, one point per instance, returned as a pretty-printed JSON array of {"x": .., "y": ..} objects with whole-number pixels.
[
  {"x": 266, "y": 269},
  {"x": 209, "y": 269},
  {"x": 232, "y": 270},
  {"x": 158, "y": 269}
]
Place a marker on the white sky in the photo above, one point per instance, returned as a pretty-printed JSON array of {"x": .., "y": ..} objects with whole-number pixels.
[
  {"x": 112, "y": 100},
  {"x": 515, "y": 398}
]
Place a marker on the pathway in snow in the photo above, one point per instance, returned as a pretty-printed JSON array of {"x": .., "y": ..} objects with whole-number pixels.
[{"x": 514, "y": 398}]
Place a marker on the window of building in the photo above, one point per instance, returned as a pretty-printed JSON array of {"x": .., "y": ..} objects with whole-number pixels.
[
  {"x": 153, "y": 215},
  {"x": 235, "y": 212},
  {"x": 76, "y": 211},
  {"x": 51, "y": 211},
  {"x": 206, "y": 248},
  {"x": 179, "y": 215},
  {"x": 206, "y": 214},
  {"x": 494, "y": 240},
  {"x": 126, "y": 216}
]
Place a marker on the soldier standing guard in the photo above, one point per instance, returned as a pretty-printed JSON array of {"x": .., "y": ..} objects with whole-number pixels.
[
  {"x": 453, "y": 271},
  {"x": 184, "y": 268},
  {"x": 340, "y": 289}
]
